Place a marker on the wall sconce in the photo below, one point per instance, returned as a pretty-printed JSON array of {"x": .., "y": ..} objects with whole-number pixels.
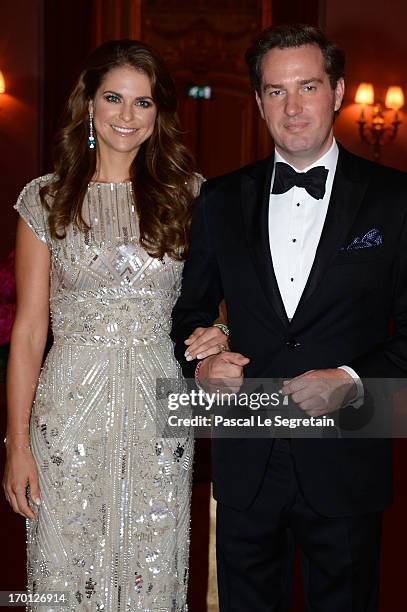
[
  {"x": 2, "y": 83},
  {"x": 377, "y": 131}
]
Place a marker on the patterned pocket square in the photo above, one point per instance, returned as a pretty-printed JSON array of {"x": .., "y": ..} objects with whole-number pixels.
[{"x": 372, "y": 238}]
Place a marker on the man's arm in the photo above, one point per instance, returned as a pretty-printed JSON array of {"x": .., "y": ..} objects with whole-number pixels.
[
  {"x": 315, "y": 391},
  {"x": 390, "y": 359},
  {"x": 201, "y": 292}
]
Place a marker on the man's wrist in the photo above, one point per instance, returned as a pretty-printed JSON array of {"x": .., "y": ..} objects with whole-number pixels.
[{"x": 358, "y": 397}]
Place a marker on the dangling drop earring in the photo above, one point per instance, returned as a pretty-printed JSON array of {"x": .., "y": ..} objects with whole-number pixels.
[{"x": 91, "y": 138}]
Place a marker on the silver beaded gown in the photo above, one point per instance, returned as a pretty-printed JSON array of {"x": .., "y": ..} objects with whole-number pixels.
[{"x": 113, "y": 526}]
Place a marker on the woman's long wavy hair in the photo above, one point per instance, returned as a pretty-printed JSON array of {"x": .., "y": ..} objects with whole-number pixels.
[{"x": 161, "y": 173}]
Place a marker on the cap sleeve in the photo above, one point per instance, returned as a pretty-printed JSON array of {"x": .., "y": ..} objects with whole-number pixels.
[
  {"x": 30, "y": 208},
  {"x": 197, "y": 181}
]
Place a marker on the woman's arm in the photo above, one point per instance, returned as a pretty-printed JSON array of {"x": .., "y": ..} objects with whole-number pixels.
[{"x": 27, "y": 345}]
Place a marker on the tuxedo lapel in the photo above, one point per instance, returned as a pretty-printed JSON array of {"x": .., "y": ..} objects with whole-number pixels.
[
  {"x": 255, "y": 193},
  {"x": 347, "y": 194}
]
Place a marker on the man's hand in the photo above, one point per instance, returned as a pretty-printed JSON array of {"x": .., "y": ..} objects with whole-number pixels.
[
  {"x": 319, "y": 392},
  {"x": 223, "y": 372}
]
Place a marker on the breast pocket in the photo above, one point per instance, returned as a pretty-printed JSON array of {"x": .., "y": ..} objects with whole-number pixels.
[
  {"x": 359, "y": 256},
  {"x": 360, "y": 271}
]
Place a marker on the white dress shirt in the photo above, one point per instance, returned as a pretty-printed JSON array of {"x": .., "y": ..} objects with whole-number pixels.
[{"x": 296, "y": 220}]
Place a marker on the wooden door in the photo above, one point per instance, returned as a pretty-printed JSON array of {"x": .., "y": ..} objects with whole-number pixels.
[{"x": 204, "y": 44}]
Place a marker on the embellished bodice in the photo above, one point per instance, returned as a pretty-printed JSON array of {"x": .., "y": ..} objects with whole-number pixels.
[{"x": 104, "y": 287}]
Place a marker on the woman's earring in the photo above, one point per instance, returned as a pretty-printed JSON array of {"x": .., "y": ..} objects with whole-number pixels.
[{"x": 91, "y": 138}]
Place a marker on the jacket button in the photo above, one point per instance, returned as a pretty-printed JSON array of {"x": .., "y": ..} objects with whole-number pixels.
[{"x": 293, "y": 344}]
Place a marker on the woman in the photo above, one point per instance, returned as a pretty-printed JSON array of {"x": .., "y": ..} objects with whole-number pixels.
[{"x": 109, "y": 497}]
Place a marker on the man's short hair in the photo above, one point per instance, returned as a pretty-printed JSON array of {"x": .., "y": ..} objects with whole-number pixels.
[{"x": 294, "y": 35}]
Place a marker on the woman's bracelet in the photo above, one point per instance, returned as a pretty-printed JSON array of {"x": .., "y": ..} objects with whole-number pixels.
[
  {"x": 224, "y": 328},
  {"x": 197, "y": 368},
  {"x": 7, "y": 443},
  {"x": 20, "y": 433},
  {"x": 197, "y": 382}
]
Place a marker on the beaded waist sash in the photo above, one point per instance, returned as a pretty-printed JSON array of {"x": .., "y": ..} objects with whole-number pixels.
[
  {"x": 116, "y": 342},
  {"x": 112, "y": 317}
]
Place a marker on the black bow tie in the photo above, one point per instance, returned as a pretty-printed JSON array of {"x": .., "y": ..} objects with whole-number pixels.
[{"x": 313, "y": 181}]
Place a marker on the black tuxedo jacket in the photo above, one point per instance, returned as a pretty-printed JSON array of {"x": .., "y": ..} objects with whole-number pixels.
[{"x": 342, "y": 319}]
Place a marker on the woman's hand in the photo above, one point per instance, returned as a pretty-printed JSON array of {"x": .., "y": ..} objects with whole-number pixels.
[
  {"x": 20, "y": 472},
  {"x": 205, "y": 341}
]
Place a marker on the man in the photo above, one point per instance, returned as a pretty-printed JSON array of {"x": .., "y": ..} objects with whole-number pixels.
[{"x": 309, "y": 250}]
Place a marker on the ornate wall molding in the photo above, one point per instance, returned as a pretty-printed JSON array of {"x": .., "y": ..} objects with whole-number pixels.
[{"x": 204, "y": 36}]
